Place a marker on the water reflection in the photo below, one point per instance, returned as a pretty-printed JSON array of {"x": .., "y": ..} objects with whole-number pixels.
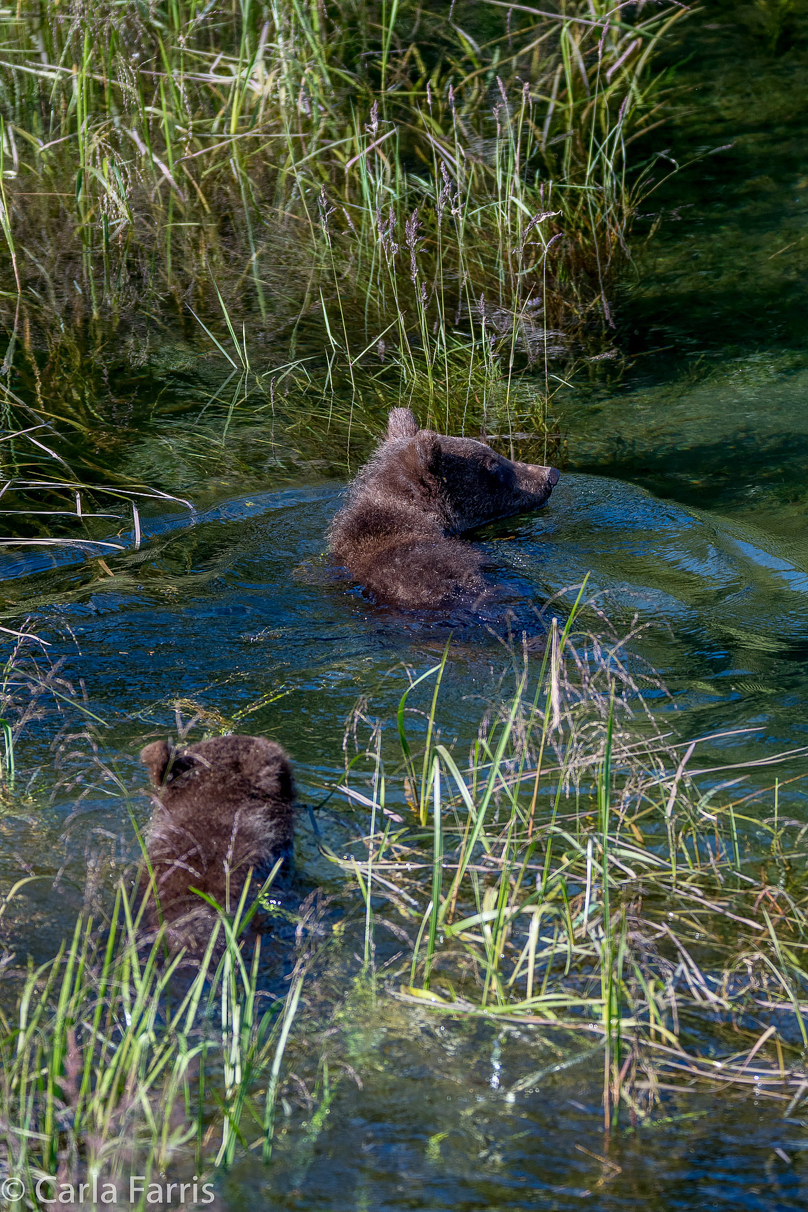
[
  {"x": 222, "y": 606},
  {"x": 233, "y": 613}
]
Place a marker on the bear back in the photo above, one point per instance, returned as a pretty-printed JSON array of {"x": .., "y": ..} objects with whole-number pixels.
[{"x": 222, "y": 807}]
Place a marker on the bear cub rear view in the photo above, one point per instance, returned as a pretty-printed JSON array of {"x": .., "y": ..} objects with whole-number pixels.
[
  {"x": 395, "y": 533},
  {"x": 222, "y": 806}
]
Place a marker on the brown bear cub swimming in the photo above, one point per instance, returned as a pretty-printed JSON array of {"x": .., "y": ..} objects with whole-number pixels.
[
  {"x": 222, "y": 806},
  {"x": 394, "y": 534}
]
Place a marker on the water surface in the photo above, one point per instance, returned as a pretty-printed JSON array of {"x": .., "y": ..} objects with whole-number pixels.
[{"x": 684, "y": 498}]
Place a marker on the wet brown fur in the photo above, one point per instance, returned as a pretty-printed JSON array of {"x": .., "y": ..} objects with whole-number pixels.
[
  {"x": 222, "y": 806},
  {"x": 395, "y": 534}
]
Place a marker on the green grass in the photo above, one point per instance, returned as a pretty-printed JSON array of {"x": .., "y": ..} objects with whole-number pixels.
[
  {"x": 112, "y": 1065},
  {"x": 359, "y": 201},
  {"x": 572, "y": 874}
]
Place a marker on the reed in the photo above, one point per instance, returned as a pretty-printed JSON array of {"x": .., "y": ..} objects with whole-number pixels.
[
  {"x": 426, "y": 202},
  {"x": 576, "y": 875},
  {"x": 113, "y": 1064}
]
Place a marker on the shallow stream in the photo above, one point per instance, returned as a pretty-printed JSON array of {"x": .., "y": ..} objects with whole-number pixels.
[{"x": 684, "y": 496}]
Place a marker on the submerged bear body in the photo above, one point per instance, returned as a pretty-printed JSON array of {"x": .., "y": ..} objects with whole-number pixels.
[
  {"x": 396, "y": 534},
  {"x": 222, "y": 807}
]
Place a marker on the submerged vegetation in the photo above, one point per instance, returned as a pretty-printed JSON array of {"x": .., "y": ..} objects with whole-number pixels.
[
  {"x": 231, "y": 237},
  {"x": 575, "y": 877}
]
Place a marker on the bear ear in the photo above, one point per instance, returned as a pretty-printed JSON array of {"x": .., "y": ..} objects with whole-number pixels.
[
  {"x": 268, "y": 768},
  {"x": 156, "y": 758},
  {"x": 401, "y": 424},
  {"x": 429, "y": 450},
  {"x": 166, "y": 763},
  {"x": 276, "y": 781}
]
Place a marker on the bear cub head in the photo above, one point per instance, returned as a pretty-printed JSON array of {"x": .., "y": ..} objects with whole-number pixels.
[
  {"x": 464, "y": 482},
  {"x": 222, "y": 806},
  {"x": 396, "y": 532}
]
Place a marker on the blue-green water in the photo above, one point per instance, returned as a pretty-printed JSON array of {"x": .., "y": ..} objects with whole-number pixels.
[{"x": 684, "y": 497}]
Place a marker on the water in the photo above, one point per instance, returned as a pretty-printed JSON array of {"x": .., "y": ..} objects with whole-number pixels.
[{"x": 685, "y": 500}]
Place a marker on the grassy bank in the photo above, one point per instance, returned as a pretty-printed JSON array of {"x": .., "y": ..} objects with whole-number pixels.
[{"x": 340, "y": 203}]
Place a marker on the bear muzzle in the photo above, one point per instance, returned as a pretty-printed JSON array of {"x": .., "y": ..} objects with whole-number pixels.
[{"x": 535, "y": 479}]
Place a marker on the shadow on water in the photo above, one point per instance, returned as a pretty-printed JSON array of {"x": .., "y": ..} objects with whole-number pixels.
[
  {"x": 231, "y": 617},
  {"x": 730, "y": 471},
  {"x": 709, "y": 406},
  {"x": 684, "y": 503},
  {"x": 727, "y": 267}
]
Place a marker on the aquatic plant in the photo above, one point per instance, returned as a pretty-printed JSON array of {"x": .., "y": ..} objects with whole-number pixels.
[
  {"x": 577, "y": 874},
  {"x": 114, "y": 1064},
  {"x": 575, "y": 877},
  {"x": 46, "y": 503},
  {"x": 426, "y": 202}
]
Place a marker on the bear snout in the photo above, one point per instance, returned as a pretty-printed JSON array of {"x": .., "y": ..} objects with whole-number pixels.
[{"x": 535, "y": 479}]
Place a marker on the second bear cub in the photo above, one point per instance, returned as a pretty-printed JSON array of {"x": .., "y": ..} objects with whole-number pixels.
[
  {"x": 395, "y": 533},
  {"x": 222, "y": 806}
]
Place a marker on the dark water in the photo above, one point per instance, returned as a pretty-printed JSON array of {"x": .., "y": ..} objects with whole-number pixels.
[{"x": 685, "y": 498}]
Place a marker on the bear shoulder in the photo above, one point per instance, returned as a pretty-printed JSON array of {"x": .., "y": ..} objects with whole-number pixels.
[{"x": 397, "y": 531}]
